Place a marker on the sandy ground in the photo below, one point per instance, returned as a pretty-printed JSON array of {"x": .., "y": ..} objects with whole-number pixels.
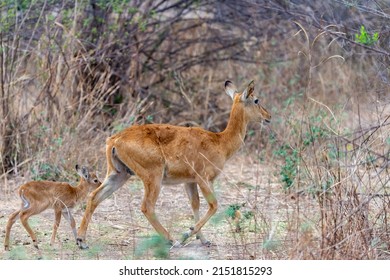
[{"x": 120, "y": 231}]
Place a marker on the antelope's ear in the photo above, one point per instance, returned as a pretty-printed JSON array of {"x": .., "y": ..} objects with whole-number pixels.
[
  {"x": 230, "y": 89},
  {"x": 248, "y": 91},
  {"x": 83, "y": 171}
]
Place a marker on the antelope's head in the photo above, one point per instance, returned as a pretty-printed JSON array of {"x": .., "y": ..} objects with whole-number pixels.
[
  {"x": 88, "y": 179},
  {"x": 253, "y": 109}
]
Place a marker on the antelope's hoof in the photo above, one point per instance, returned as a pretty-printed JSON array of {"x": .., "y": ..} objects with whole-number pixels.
[
  {"x": 185, "y": 236},
  {"x": 204, "y": 241},
  {"x": 82, "y": 245}
]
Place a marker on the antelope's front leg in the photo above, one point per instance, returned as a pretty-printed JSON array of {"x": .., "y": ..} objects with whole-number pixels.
[
  {"x": 208, "y": 194},
  {"x": 69, "y": 217},
  {"x": 152, "y": 188},
  {"x": 193, "y": 196},
  {"x": 57, "y": 220}
]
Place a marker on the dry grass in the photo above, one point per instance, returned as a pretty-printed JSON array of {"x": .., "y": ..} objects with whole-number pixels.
[{"x": 312, "y": 185}]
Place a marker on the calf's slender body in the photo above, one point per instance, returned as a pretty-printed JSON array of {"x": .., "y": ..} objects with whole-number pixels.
[
  {"x": 166, "y": 154},
  {"x": 37, "y": 196}
]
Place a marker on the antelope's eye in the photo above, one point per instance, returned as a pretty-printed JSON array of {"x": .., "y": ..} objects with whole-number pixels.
[
  {"x": 96, "y": 181},
  {"x": 256, "y": 101}
]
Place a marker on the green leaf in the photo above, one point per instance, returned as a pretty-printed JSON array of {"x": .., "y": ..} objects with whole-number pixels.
[{"x": 365, "y": 38}]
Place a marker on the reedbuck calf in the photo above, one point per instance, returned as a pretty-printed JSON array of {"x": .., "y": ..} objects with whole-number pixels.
[
  {"x": 162, "y": 153},
  {"x": 37, "y": 196}
]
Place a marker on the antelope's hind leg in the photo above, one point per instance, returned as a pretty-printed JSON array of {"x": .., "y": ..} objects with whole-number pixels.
[
  {"x": 111, "y": 183},
  {"x": 11, "y": 221},
  {"x": 24, "y": 216}
]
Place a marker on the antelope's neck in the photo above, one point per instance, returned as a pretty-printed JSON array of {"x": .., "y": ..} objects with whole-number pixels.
[
  {"x": 81, "y": 191},
  {"x": 233, "y": 136}
]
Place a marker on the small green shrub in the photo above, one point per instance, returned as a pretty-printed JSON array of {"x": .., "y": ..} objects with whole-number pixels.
[
  {"x": 366, "y": 39},
  {"x": 45, "y": 171},
  {"x": 231, "y": 210},
  {"x": 157, "y": 244},
  {"x": 17, "y": 253},
  {"x": 292, "y": 155}
]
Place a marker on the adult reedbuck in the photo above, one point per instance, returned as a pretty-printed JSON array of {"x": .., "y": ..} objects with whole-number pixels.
[
  {"x": 162, "y": 153},
  {"x": 37, "y": 196}
]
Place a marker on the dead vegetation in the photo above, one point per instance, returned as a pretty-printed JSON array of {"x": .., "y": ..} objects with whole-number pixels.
[{"x": 314, "y": 184}]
